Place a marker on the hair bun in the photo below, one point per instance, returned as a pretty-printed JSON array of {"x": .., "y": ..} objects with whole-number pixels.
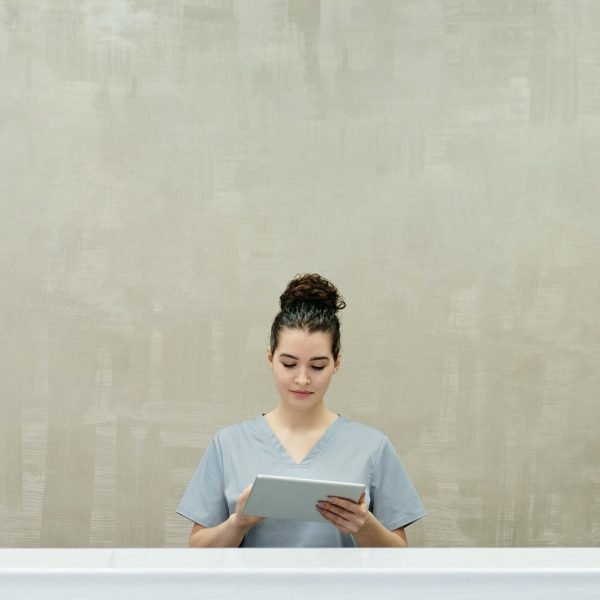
[{"x": 311, "y": 289}]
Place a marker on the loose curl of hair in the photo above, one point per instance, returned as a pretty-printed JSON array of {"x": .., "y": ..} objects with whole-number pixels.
[{"x": 309, "y": 302}]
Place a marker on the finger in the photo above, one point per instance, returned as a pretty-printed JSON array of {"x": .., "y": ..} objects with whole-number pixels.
[
  {"x": 336, "y": 519},
  {"x": 343, "y": 503},
  {"x": 347, "y": 515},
  {"x": 331, "y": 508},
  {"x": 244, "y": 494},
  {"x": 243, "y": 498}
]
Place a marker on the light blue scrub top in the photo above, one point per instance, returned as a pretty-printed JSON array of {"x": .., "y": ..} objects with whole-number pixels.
[{"x": 347, "y": 451}]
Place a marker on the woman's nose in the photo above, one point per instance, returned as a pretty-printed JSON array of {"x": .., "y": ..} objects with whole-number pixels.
[{"x": 302, "y": 378}]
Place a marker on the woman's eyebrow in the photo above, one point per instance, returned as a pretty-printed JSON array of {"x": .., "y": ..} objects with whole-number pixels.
[{"x": 296, "y": 358}]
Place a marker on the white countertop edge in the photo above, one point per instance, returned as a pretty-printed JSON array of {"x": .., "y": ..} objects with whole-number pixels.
[
  {"x": 119, "y": 571},
  {"x": 302, "y": 560}
]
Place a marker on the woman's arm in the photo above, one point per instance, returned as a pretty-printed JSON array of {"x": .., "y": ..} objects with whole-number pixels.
[
  {"x": 228, "y": 534},
  {"x": 374, "y": 535}
]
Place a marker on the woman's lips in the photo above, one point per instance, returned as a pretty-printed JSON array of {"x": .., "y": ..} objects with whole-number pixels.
[{"x": 301, "y": 392}]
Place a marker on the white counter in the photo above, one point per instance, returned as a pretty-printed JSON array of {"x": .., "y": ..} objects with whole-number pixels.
[{"x": 307, "y": 574}]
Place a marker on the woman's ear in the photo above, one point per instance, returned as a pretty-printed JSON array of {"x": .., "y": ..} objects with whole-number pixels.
[
  {"x": 269, "y": 356},
  {"x": 337, "y": 362}
]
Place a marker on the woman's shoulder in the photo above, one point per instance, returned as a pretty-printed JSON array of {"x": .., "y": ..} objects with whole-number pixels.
[
  {"x": 235, "y": 431},
  {"x": 360, "y": 430},
  {"x": 373, "y": 442}
]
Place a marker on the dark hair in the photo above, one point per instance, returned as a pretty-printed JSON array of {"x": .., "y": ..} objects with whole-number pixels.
[{"x": 309, "y": 302}]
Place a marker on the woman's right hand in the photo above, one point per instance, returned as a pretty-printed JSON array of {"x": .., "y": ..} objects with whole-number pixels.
[
  {"x": 230, "y": 533},
  {"x": 241, "y": 519}
]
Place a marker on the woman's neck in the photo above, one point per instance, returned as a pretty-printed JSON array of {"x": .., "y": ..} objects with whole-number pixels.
[{"x": 295, "y": 420}]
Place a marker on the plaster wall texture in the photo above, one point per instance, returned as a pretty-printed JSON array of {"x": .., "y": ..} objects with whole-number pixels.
[{"x": 166, "y": 167}]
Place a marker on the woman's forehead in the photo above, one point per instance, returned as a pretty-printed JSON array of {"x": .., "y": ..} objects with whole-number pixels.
[{"x": 302, "y": 341}]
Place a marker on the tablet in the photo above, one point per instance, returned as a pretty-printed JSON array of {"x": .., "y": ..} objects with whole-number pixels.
[{"x": 294, "y": 498}]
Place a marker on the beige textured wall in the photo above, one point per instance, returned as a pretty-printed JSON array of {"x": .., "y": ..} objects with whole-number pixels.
[{"x": 167, "y": 166}]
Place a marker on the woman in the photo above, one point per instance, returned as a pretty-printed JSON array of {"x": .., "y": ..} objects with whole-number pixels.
[{"x": 301, "y": 437}]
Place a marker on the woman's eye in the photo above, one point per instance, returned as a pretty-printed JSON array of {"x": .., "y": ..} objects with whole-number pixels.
[{"x": 291, "y": 366}]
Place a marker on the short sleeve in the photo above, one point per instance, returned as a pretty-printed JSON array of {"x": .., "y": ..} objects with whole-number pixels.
[
  {"x": 204, "y": 500},
  {"x": 394, "y": 500}
]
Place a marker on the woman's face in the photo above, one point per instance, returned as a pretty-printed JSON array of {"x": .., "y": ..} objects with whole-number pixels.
[{"x": 302, "y": 367}]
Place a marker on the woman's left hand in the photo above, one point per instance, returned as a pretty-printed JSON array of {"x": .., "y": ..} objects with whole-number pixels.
[{"x": 348, "y": 516}]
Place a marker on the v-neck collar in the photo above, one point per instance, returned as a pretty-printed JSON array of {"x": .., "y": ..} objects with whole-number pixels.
[{"x": 313, "y": 453}]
